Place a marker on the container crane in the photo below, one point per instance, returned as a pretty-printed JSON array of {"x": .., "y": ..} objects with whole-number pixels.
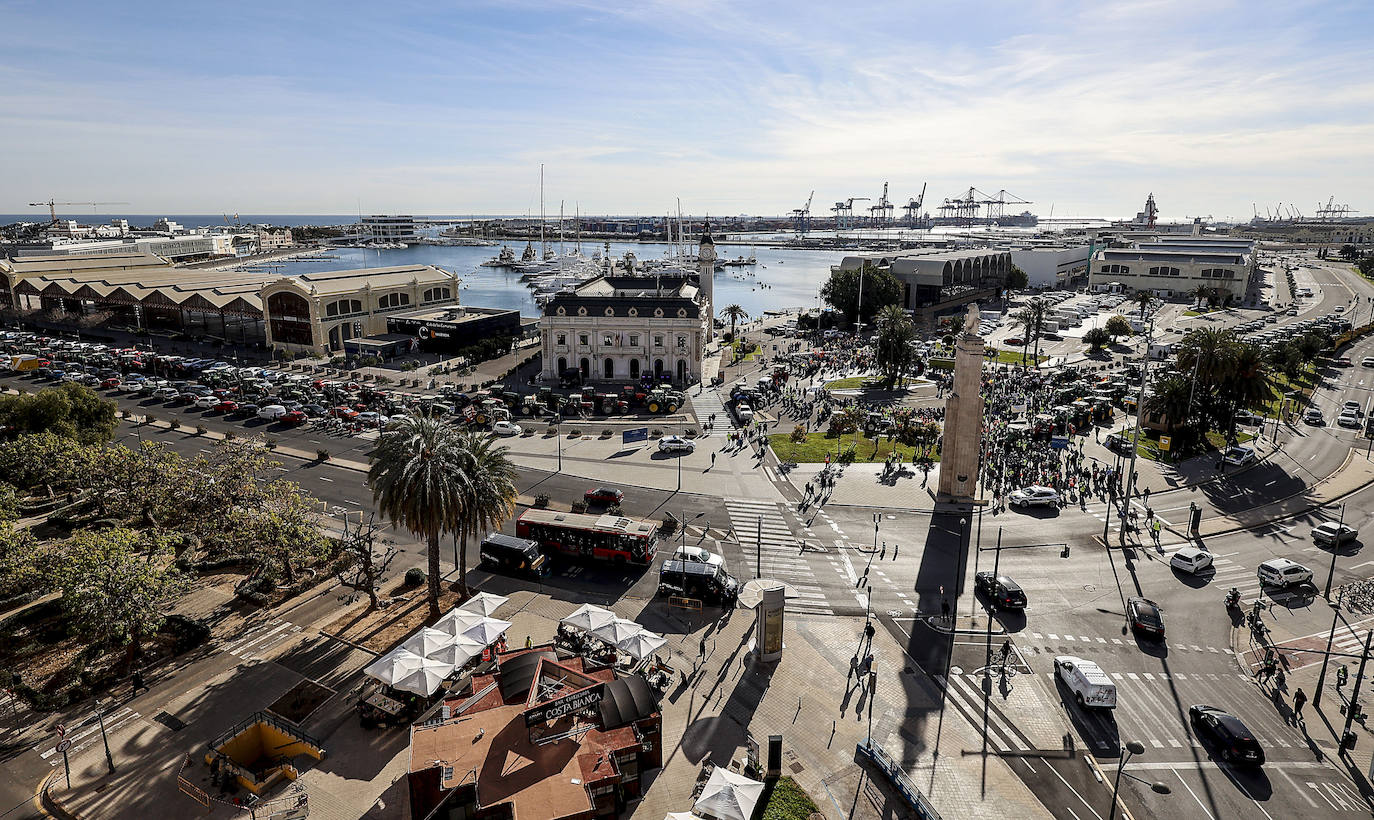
[
  {"x": 880, "y": 212},
  {"x": 52, "y": 207},
  {"x": 911, "y": 211},
  {"x": 801, "y": 217}
]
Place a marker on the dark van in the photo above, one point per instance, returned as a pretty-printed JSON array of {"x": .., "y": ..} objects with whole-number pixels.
[
  {"x": 707, "y": 582},
  {"x": 514, "y": 556}
]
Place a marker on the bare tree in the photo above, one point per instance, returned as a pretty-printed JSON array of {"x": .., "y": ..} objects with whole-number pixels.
[{"x": 370, "y": 557}]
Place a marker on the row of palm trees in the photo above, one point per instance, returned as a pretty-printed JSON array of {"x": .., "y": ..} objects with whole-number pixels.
[
  {"x": 434, "y": 480},
  {"x": 1216, "y": 374}
]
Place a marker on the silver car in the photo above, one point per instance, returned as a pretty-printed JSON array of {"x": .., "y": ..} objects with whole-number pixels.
[{"x": 1033, "y": 496}]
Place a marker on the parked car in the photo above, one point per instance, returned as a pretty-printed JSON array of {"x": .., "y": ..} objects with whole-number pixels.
[
  {"x": 1235, "y": 742},
  {"x": 676, "y": 444},
  {"x": 226, "y": 406},
  {"x": 1033, "y": 496},
  {"x": 1281, "y": 572},
  {"x": 271, "y": 412},
  {"x": 1332, "y": 533},
  {"x": 604, "y": 495},
  {"x": 207, "y": 402},
  {"x": 372, "y": 419},
  {"x": 1090, "y": 685},
  {"x": 1191, "y": 560},
  {"x": 1145, "y": 616},
  {"x": 506, "y": 428},
  {"x": 292, "y": 417},
  {"x": 111, "y": 383},
  {"x": 1001, "y": 591}
]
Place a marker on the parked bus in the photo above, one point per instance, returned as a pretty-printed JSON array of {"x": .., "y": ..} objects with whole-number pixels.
[{"x": 605, "y": 537}]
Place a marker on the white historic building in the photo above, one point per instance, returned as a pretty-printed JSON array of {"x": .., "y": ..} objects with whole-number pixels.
[
  {"x": 620, "y": 328},
  {"x": 1178, "y": 267}
]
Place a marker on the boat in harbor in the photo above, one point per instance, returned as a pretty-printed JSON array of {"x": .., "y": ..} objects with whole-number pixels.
[
  {"x": 740, "y": 262},
  {"x": 505, "y": 259}
]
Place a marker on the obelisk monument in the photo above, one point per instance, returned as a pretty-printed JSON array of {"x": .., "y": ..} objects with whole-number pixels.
[{"x": 963, "y": 434}]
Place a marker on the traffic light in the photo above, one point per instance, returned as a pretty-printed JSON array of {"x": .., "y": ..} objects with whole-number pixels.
[
  {"x": 1064, "y": 553},
  {"x": 1369, "y": 427},
  {"x": 1342, "y": 675}
]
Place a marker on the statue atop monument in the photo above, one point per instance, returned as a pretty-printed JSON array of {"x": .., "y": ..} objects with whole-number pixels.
[{"x": 973, "y": 320}]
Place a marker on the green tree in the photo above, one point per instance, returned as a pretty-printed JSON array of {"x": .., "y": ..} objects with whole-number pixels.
[
  {"x": 1117, "y": 326},
  {"x": 113, "y": 592},
  {"x": 1031, "y": 318},
  {"x": 1349, "y": 252},
  {"x": 280, "y": 531},
  {"x": 44, "y": 461},
  {"x": 1096, "y": 338},
  {"x": 734, "y": 313},
  {"x": 1142, "y": 298},
  {"x": 487, "y": 478},
  {"x": 894, "y": 354},
  {"x": 880, "y": 289},
  {"x": 1199, "y": 294},
  {"x": 416, "y": 487},
  {"x": 1170, "y": 401},
  {"x": 1016, "y": 279},
  {"x": 1366, "y": 265},
  {"x": 69, "y": 410}
]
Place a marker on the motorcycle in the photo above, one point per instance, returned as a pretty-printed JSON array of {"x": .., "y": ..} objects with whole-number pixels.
[{"x": 1233, "y": 599}]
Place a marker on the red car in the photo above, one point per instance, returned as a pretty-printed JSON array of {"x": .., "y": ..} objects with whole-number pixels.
[
  {"x": 109, "y": 384},
  {"x": 603, "y": 495},
  {"x": 293, "y": 417},
  {"x": 1014, "y": 341},
  {"x": 345, "y": 413},
  {"x": 226, "y": 406}
]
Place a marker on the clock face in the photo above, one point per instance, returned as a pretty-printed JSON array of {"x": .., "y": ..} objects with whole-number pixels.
[{"x": 706, "y": 252}]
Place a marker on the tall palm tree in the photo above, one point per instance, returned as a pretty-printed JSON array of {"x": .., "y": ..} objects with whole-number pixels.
[
  {"x": 1143, "y": 298},
  {"x": 895, "y": 336},
  {"x": 1171, "y": 399},
  {"x": 488, "y": 480},
  {"x": 1199, "y": 294},
  {"x": 734, "y": 313},
  {"x": 1032, "y": 320},
  {"x": 1249, "y": 384},
  {"x": 416, "y": 486}
]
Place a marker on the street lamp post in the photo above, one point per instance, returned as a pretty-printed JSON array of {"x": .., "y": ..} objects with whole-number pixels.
[
  {"x": 1132, "y": 748},
  {"x": 100, "y": 717},
  {"x": 1139, "y": 418}
]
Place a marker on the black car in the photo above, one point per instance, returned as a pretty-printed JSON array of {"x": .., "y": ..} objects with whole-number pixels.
[
  {"x": 1235, "y": 742},
  {"x": 514, "y": 556},
  {"x": 315, "y": 411},
  {"x": 1003, "y": 592},
  {"x": 604, "y": 495},
  {"x": 1146, "y": 617}
]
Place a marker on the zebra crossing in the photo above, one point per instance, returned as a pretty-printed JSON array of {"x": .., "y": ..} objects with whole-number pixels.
[
  {"x": 1057, "y": 643},
  {"x": 964, "y": 692},
  {"x": 87, "y": 733},
  {"x": 256, "y": 642},
  {"x": 1152, "y": 707},
  {"x": 708, "y": 402},
  {"x": 760, "y": 525}
]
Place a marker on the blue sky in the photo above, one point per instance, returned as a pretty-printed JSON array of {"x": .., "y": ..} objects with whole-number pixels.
[{"x": 427, "y": 107}]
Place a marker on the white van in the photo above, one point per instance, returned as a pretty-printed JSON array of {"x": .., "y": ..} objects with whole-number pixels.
[
  {"x": 1281, "y": 572},
  {"x": 1090, "y": 685}
]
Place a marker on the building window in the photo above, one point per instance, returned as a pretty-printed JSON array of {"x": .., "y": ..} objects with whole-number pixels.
[
  {"x": 658, "y": 341},
  {"x": 562, "y": 339},
  {"x": 343, "y": 307},
  {"x": 1162, "y": 270},
  {"x": 634, "y": 340},
  {"x": 436, "y": 294},
  {"x": 582, "y": 339},
  {"x": 1116, "y": 269},
  {"x": 392, "y": 300},
  {"x": 682, "y": 343},
  {"x": 608, "y": 339}
]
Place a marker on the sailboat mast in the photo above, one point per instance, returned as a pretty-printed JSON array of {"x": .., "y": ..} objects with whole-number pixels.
[
  {"x": 543, "y": 245},
  {"x": 560, "y": 228},
  {"x": 577, "y": 225}
]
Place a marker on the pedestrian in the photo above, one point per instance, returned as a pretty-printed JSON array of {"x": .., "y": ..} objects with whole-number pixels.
[
  {"x": 713, "y": 458},
  {"x": 529, "y": 642},
  {"x": 944, "y": 609},
  {"x": 701, "y": 649},
  {"x": 1299, "y": 701},
  {"x": 137, "y": 680}
]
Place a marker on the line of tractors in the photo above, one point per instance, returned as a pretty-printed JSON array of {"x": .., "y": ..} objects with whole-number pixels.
[{"x": 586, "y": 402}]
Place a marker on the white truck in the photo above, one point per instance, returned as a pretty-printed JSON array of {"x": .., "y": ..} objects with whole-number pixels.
[{"x": 1090, "y": 685}]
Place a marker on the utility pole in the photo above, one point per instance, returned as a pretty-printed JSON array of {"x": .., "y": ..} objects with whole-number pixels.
[
  {"x": 758, "y": 548},
  {"x": 1352, "y": 707},
  {"x": 1326, "y": 658},
  {"x": 1139, "y": 417}
]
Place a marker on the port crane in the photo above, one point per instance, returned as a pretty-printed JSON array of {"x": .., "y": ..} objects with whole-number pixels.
[
  {"x": 880, "y": 212},
  {"x": 52, "y": 207},
  {"x": 1334, "y": 211},
  {"x": 801, "y": 217},
  {"x": 911, "y": 211}
]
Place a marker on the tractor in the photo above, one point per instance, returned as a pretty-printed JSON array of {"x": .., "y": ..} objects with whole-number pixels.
[{"x": 664, "y": 400}]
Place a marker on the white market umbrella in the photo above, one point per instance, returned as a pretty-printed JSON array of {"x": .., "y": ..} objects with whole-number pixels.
[
  {"x": 589, "y": 618},
  {"x": 729, "y": 796},
  {"x": 484, "y": 603},
  {"x": 393, "y": 666},
  {"x": 459, "y": 651},
  {"x": 487, "y": 630},
  {"x": 425, "y": 679},
  {"x": 457, "y": 621},
  {"x": 642, "y": 645},
  {"x": 617, "y": 631},
  {"x": 427, "y": 641},
  {"x": 680, "y": 815},
  {"x": 751, "y": 595}
]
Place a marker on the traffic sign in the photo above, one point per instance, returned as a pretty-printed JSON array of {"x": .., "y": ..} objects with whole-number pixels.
[
  {"x": 61, "y": 729},
  {"x": 63, "y": 745}
]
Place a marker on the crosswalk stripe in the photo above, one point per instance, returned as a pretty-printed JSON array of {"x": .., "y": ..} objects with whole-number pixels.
[{"x": 970, "y": 690}]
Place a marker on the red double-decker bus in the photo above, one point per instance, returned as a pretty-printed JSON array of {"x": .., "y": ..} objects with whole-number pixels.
[{"x": 606, "y": 537}]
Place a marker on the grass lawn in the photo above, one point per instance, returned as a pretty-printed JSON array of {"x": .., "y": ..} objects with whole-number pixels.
[
  {"x": 735, "y": 357},
  {"x": 1147, "y": 446},
  {"x": 787, "y": 801},
  {"x": 1014, "y": 357},
  {"x": 850, "y": 383},
  {"x": 819, "y": 445},
  {"x": 1304, "y": 384}
]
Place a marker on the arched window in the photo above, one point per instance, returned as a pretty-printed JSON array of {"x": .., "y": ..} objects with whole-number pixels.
[
  {"x": 562, "y": 365},
  {"x": 634, "y": 368},
  {"x": 586, "y": 368},
  {"x": 437, "y": 294},
  {"x": 610, "y": 368},
  {"x": 392, "y": 300},
  {"x": 289, "y": 315}
]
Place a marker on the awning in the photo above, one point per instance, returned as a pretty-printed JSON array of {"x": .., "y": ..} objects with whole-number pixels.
[
  {"x": 625, "y": 701},
  {"x": 517, "y": 673}
]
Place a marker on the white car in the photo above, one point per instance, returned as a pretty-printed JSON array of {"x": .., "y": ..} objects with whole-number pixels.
[
  {"x": 166, "y": 393},
  {"x": 1238, "y": 455},
  {"x": 676, "y": 444},
  {"x": 1333, "y": 533},
  {"x": 1347, "y": 418},
  {"x": 1313, "y": 416},
  {"x": 1191, "y": 560},
  {"x": 371, "y": 419},
  {"x": 271, "y": 412},
  {"x": 1353, "y": 406},
  {"x": 506, "y": 428},
  {"x": 1033, "y": 496},
  {"x": 1281, "y": 572},
  {"x": 207, "y": 402}
]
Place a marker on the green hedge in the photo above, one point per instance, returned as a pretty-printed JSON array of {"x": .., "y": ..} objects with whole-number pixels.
[{"x": 787, "y": 801}]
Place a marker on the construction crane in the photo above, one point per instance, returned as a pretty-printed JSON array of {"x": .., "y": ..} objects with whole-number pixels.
[
  {"x": 801, "y": 217},
  {"x": 911, "y": 211},
  {"x": 880, "y": 212},
  {"x": 997, "y": 207},
  {"x": 52, "y": 206}
]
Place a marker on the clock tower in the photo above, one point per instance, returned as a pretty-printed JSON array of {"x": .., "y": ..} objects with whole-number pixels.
[{"x": 706, "y": 275}]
